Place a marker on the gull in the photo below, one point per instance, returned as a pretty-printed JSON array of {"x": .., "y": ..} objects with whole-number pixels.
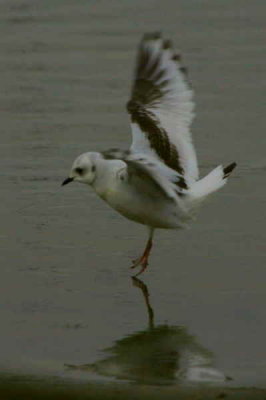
[{"x": 156, "y": 182}]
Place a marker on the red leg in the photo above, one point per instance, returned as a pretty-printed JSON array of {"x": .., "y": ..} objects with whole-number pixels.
[{"x": 143, "y": 260}]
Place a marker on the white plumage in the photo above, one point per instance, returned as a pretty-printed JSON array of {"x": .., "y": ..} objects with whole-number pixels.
[{"x": 155, "y": 183}]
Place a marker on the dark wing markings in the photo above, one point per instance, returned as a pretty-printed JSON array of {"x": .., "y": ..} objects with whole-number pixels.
[{"x": 147, "y": 92}]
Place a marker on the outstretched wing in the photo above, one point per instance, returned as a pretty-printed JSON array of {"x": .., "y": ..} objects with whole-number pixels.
[{"x": 161, "y": 108}]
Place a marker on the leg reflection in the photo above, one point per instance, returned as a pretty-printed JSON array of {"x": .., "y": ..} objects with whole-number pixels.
[
  {"x": 159, "y": 354},
  {"x": 138, "y": 283}
]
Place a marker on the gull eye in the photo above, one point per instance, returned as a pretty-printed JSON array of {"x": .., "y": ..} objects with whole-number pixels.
[{"x": 79, "y": 170}]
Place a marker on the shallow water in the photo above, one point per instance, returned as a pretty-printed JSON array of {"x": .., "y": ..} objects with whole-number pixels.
[{"x": 69, "y": 308}]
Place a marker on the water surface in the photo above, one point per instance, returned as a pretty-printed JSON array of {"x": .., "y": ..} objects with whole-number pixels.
[{"x": 69, "y": 308}]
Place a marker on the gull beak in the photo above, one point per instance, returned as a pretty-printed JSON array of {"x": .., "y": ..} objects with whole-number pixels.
[{"x": 67, "y": 180}]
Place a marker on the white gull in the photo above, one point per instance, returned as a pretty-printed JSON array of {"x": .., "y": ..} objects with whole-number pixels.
[{"x": 156, "y": 182}]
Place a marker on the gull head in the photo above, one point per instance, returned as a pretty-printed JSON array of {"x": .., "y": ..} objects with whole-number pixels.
[{"x": 83, "y": 169}]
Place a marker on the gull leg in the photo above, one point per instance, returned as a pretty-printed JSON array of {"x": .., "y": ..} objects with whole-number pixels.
[{"x": 143, "y": 260}]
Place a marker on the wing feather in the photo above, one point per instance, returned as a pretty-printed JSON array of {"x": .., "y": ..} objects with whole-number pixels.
[
  {"x": 170, "y": 182},
  {"x": 161, "y": 108}
]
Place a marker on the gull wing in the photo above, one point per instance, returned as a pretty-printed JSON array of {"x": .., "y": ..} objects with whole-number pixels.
[
  {"x": 148, "y": 181},
  {"x": 166, "y": 179},
  {"x": 161, "y": 108}
]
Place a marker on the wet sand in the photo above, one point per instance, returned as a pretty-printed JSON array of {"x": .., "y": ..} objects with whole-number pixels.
[
  {"x": 66, "y": 294},
  {"x": 14, "y": 388}
]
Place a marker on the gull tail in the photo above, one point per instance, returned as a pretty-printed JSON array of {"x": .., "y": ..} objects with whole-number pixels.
[{"x": 216, "y": 179}]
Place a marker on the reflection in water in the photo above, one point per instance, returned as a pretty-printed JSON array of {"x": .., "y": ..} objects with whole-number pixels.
[{"x": 161, "y": 354}]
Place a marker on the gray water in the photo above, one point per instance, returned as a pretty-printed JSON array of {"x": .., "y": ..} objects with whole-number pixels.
[{"x": 68, "y": 306}]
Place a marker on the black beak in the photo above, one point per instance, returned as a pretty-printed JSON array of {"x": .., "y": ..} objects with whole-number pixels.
[{"x": 67, "y": 180}]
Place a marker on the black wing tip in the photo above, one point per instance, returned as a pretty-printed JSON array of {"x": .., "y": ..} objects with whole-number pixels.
[
  {"x": 181, "y": 183},
  {"x": 167, "y": 44},
  {"x": 177, "y": 57},
  {"x": 133, "y": 107},
  {"x": 184, "y": 70},
  {"x": 227, "y": 170},
  {"x": 150, "y": 36}
]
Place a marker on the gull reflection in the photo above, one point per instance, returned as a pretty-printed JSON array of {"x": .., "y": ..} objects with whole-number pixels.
[{"x": 162, "y": 354}]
